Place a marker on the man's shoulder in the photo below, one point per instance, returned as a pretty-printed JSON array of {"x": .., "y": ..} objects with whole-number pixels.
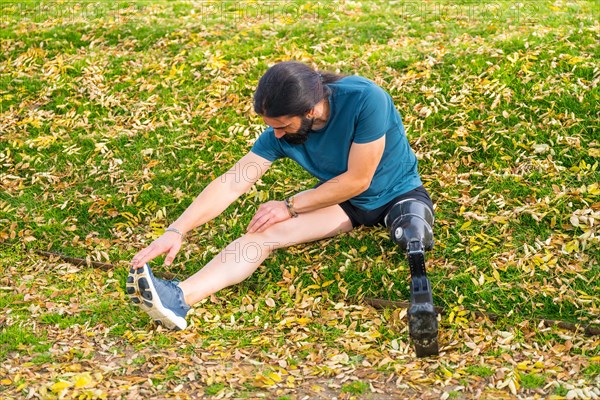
[
  {"x": 354, "y": 83},
  {"x": 356, "y": 87},
  {"x": 358, "y": 90}
]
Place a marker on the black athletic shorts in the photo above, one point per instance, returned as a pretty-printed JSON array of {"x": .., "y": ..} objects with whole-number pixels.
[{"x": 375, "y": 217}]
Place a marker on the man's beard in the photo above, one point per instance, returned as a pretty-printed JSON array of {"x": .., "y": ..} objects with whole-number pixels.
[{"x": 301, "y": 135}]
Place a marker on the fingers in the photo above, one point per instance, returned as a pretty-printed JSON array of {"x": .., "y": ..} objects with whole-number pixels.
[
  {"x": 148, "y": 254},
  {"x": 262, "y": 220},
  {"x": 258, "y": 222},
  {"x": 266, "y": 216},
  {"x": 159, "y": 246},
  {"x": 260, "y": 225},
  {"x": 255, "y": 222},
  {"x": 136, "y": 261},
  {"x": 172, "y": 253}
]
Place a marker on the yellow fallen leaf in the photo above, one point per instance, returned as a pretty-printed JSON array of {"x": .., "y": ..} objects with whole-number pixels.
[
  {"x": 263, "y": 381},
  {"x": 575, "y": 60},
  {"x": 83, "y": 380},
  {"x": 375, "y": 335},
  {"x": 274, "y": 376},
  {"x": 451, "y": 317},
  {"x": 496, "y": 275},
  {"x": 465, "y": 225},
  {"x": 311, "y": 287},
  {"x": 59, "y": 386},
  {"x": 446, "y": 372},
  {"x": 594, "y": 189}
]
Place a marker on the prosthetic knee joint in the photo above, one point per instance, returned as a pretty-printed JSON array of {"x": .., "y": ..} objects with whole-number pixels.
[{"x": 410, "y": 224}]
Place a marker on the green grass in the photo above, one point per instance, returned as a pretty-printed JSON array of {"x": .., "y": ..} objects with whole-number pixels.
[
  {"x": 592, "y": 370},
  {"x": 480, "y": 370},
  {"x": 532, "y": 381},
  {"x": 18, "y": 338},
  {"x": 356, "y": 387},
  {"x": 42, "y": 359},
  {"x": 214, "y": 389}
]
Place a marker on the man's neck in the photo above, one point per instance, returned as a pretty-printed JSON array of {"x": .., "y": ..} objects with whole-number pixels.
[{"x": 321, "y": 114}]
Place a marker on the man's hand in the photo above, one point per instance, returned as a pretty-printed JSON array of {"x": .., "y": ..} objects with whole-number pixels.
[
  {"x": 268, "y": 214},
  {"x": 169, "y": 242}
]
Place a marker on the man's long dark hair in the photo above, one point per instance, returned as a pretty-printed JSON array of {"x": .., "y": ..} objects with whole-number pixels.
[{"x": 291, "y": 88}]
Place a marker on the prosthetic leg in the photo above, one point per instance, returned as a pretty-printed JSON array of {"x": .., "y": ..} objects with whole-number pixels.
[{"x": 409, "y": 222}]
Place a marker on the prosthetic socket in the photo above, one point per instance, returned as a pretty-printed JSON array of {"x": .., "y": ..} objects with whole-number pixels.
[{"x": 410, "y": 224}]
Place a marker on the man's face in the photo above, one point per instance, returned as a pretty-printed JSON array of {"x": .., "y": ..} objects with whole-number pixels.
[{"x": 293, "y": 130}]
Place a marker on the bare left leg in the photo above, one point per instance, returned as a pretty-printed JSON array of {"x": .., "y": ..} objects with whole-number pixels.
[{"x": 242, "y": 257}]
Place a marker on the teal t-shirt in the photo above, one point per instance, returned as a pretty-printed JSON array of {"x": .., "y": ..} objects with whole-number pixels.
[{"x": 360, "y": 112}]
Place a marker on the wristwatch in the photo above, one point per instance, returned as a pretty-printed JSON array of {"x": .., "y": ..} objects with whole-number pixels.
[
  {"x": 289, "y": 203},
  {"x": 177, "y": 231}
]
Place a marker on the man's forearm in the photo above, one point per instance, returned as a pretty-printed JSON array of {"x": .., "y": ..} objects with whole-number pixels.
[
  {"x": 211, "y": 202},
  {"x": 221, "y": 192},
  {"x": 334, "y": 191}
]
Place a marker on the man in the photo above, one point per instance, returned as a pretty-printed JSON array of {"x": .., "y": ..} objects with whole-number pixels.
[{"x": 345, "y": 131}]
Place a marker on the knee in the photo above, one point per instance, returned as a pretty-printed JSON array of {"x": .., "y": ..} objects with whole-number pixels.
[
  {"x": 271, "y": 239},
  {"x": 410, "y": 220},
  {"x": 249, "y": 248}
]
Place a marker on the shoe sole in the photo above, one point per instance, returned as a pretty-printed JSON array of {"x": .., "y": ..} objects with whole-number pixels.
[
  {"x": 423, "y": 329},
  {"x": 142, "y": 293}
]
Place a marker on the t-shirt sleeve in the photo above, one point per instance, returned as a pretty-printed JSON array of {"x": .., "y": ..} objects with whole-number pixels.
[
  {"x": 372, "y": 116},
  {"x": 267, "y": 146}
]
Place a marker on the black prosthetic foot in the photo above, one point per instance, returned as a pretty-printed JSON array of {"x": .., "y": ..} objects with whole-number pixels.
[
  {"x": 422, "y": 318},
  {"x": 410, "y": 223}
]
